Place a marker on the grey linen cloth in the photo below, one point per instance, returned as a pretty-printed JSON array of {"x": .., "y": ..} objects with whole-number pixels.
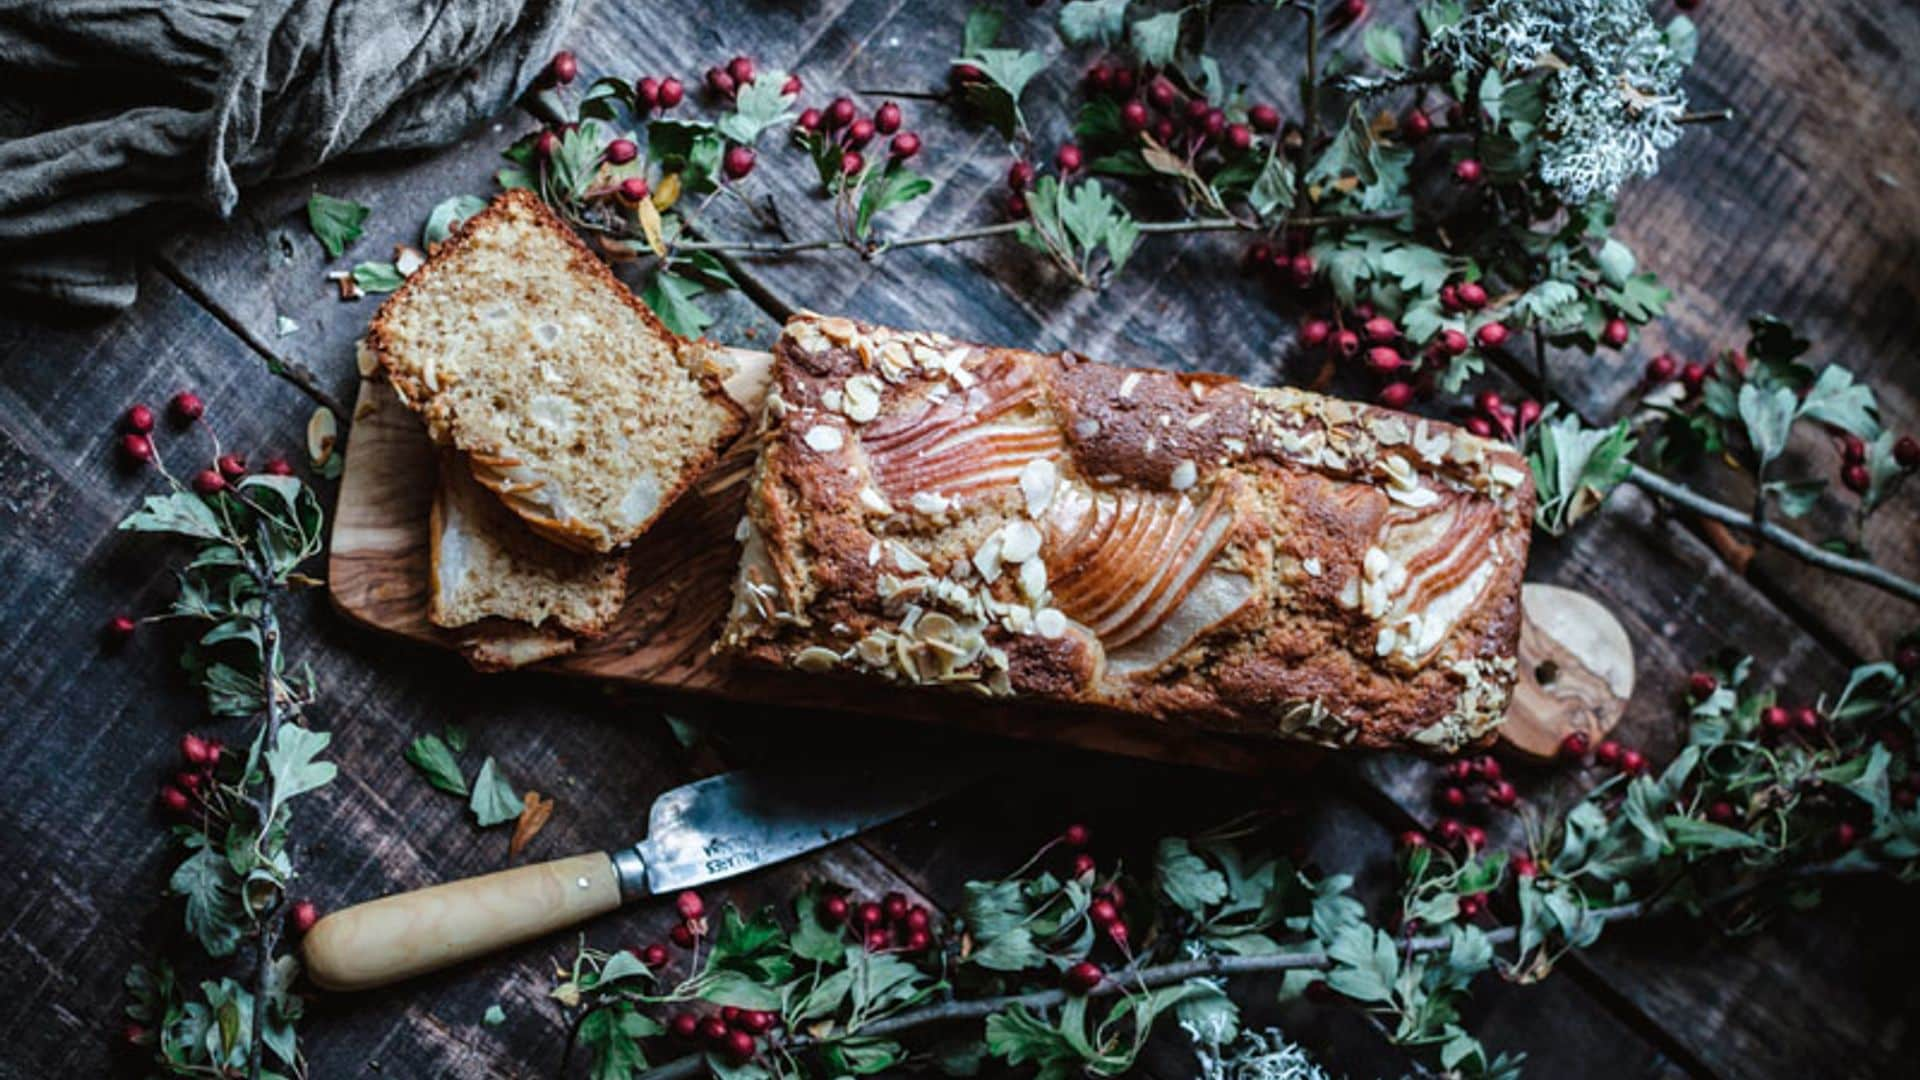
[{"x": 116, "y": 116}]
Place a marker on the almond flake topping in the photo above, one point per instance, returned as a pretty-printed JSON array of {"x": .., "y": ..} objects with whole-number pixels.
[
  {"x": 1038, "y": 480},
  {"x": 861, "y": 400},
  {"x": 824, "y": 438},
  {"x": 1022, "y": 541},
  {"x": 1050, "y": 622},
  {"x": 1127, "y": 384},
  {"x": 1184, "y": 476}
]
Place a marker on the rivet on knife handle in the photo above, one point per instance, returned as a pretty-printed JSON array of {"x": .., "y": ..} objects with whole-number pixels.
[{"x": 412, "y": 933}]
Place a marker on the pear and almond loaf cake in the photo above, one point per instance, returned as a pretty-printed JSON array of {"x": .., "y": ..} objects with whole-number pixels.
[
  {"x": 1263, "y": 561},
  {"x": 526, "y": 599},
  {"x": 568, "y": 397}
]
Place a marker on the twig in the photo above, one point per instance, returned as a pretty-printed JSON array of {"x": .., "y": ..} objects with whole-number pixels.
[
  {"x": 1711, "y": 116},
  {"x": 1858, "y": 569},
  {"x": 269, "y": 931}
]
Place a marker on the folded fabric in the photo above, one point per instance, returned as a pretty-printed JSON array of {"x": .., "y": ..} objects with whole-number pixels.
[{"x": 118, "y": 114}]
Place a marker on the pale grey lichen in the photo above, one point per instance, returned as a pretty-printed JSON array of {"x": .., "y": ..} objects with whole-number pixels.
[
  {"x": 1257, "y": 1055},
  {"x": 1612, "y": 82}
]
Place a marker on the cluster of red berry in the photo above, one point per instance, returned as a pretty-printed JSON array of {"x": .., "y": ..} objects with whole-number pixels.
[
  {"x": 733, "y": 1032},
  {"x": 1152, "y": 106},
  {"x": 1853, "y": 460},
  {"x": 189, "y": 786},
  {"x": 725, "y": 80},
  {"x": 889, "y": 924},
  {"x": 1492, "y": 414},
  {"x": 1387, "y": 353},
  {"x": 842, "y": 122}
]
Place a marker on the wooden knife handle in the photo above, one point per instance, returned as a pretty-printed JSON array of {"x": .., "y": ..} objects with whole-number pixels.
[{"x": 408, "y": 934}]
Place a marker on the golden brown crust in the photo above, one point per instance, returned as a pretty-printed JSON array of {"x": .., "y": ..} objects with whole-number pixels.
[
  {"x": 498, "y": 467},
  {"x": 1181, "y": 546}
]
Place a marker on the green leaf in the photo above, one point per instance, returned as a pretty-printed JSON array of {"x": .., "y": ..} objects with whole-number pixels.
[
  {"x": 1185, "y": 879},
  {"x": 894, "y": 186},
  {"x": 494, "y": 1016},
  {"x": 810, "y": 939},
  {"x": 1835, "y": 398},
  {"x": 1156, "y": 39},
  {"x": 1207, "y": 1014},
  {"x": 755, "y": 947},
  {"x": 741, "y": 991},
  {"x": 861, "y": 1057},
  {"x": 1575, "y": 468},
  {"x": 981, "y": 30},
  {"x": 612, "y": 1034},
  {"x": 1796, "y": 498},
  {"x": 620, "y": 966},
  {"x": 1085, "y": 21},
  {"x": 1768, "y": 417},
  {"x": 671, "y": 297},
  {"x": 377, "y": 277},
  {"x": 576, "y": 161},
  {"x": 1693, "y": 834},
  {"x": 1272, "y": 190},
  {"x": 214, "y": 914},
  {"x": 435, "y": 761},
  {"x": 1007, "y": 73},
  {"x": 447, "y": 214},
  {"x": 493, "y": 800},
  {"x": 1383, "y": 44},
  {"x": 1018, "y": 1037},
  {"x": 1366, "y": 964},
  {"x": 183, "y": 513},
  {"x": 1616, "y": 262},
  {"x": 336, "y": 223},
  {"x": 757, "y": 106},
  {"x": 294, "y": 763}
]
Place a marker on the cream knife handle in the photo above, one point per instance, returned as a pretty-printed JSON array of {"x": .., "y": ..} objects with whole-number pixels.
[{"x": 408, "y": 934}]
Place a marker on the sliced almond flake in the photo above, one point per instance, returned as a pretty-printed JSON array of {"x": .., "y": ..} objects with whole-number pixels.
[
  {"x": 1234, "y": 446},
  {"x": 1107, "y": 478},
  {"x": 1038, "y": 480},
  {"x": 1050, "y": 622},
  {"x": 1184, "y": 476},
  {"x": 874, "y": 501},
  {"x": 873, "y": 554},
  {"x": 1086, "y": 427},
  {"x": 1152, "y": 444},
  {"x": 1033, "y": 579},
  {"x": 987, "y": 559},
  {"x": 1198, "y": 421},
  {"x": 1127, "y": 384},
  {"x": 861, "y": 401},
  {"x": 816, "y": 659},
  {"x": 407, "y": 259},
  {"x": 1506, "y": 475},
  {"x": 1021, "y": 541},
  {"x": 744, "y": 529},
  {"x": 1311, "y": 566},
  {"x": 830, "y": 399},
  {"x": 824, "y": 438},
  {"x": 906, "y": 558},
  {"x": 930, "y": 502}
]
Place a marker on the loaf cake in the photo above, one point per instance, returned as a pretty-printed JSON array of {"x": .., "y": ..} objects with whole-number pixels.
[
  {"x": 568, "y": 397},
  {"x": 1183, "y": 546},
  {"x": 488, "y": 565}
]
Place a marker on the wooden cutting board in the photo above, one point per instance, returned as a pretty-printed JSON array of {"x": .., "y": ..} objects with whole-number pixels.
[{"x": 680, "y": 585}]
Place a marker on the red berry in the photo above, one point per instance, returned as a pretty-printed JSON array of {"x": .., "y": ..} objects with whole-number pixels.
[
  {"x": 189, "y": 782},
  {"x": 1616, "y": 333},
  {"x": 1102, "y": 912},
  {"x": 792, "y": 87},
  {"x": 1076, "y": 835},
  {"x": 689, "y": 904},
  {"x": 1491, "y": 336},
  {"x": 1845, "y": 835},
  {"x": 1384, "y": 360},
  {"x": 740, "y": 69},
  {"x": 1489, "y": 403},
  {"x": 713, "y": 1031},
  {"x": 810, "y": 120},
  {"x": 1083, "y": 865},
  {"x": 1016, "y": 205},
  {"x": 967, "y": 73},
  {"x": 1807, "y": 719},
  {"x": 139, "y": 419},
  {"x": 1858, "y": 478},
  {"x": 136, "y": 448},
  {"x": 1352, "y": 11},
  {"x": 1452, "y": 797},
  {"x": 232, "y": 466},
  {"x": 1123, "y": 80},
  {"x": 547, "y": 144},
  {"x": 1453, "y": 342},
  {"x": 1853, "y": 449},
  {"x": 1161, "y": 94},
  {"x": 757, "y": 1021},
  {"x": 1380, "y": 329},
  {"x": 871, "y": 915},
  {"x": 1524, "y": 866},
  {"x": 1467, "y": 171},
  {"x": 1450, "y": 297},
  {"x": 738, "y": 162},
  {"x": 878, "y": 941},
  {"x": 563, "y": 68},
  {"x": 1413, "y": 838},
  {"x": 1346, "y": 342},
  {"x": 1721, "y": 813},
  {"x": 1471, "y": 295},
  {"x": 671, "y": 92},
  {"x": 1396, "y": 395},
  {"x": 887, "y": 118},
  {"x": 1214, "y": 124},
  {"x": 1529, "y": 412},
  {"x": 917, "y": 918},
  {"x": 647, "y": 90},
  {"x": 840, "y": 113},
  {"x": 1019, "y": 175},
  {"x": 859, "y": 133},
  {"x": 895, "y": 906},
  {"x": 681, "y": 935},
  {"x": 173, "y": 799},
  {"x": 654, "y": 956},
  {"x": 918, "y": 941},
  {"x": 1607, "y": 753},
  {"x": 303, "y": 915},
  {"x": 1264, "y": 118},
  {"x": 852, "y": 162},
  {"x": 1460, "y": 770},
  {"x": 1503, "y": 793},
  {"x": 720, "y": 82},
  {"x": 1487, "y": 767},
  {"x": 209, "y": 482},
  {"x": 1099, "y": 79},
  {"x": 1700, "y": 684},
  {"x": 1068, "y": 159},
  {"x": 1450, "y": 831},
  {"x": 1415, "y": 125},
  {"x": 1776, "y": 718},
  {"x": 1576, "y": 744},
  {"x": 1632, "y": 762},
  {"x": 1662, "y": 368},
  {"x": 1475, "y": 836},
  {"x": 904, "y": 145},
  {"x": 684, "y": 1026},
  {"x": 1480, "y": 426},
  {"x": 1239, "y": 138},
  {"x": 277, "y": 466},
  {"x": 1301, "y": 267},
  {"x": 1133, "y": 116},
  {"x": 1906, "y": 452},
  {"x": 1694, "y": 376},
  {"x": 730, "y": 1014},
  {"x": 833, "y": 910},
  {"x": 621, "y": 151},
  {"x": 195, "y": 751},
  {"x": 1118, "y": 934},
  {"x": 1082, "y": 977},
  {"x": 1315, "y": 332}
]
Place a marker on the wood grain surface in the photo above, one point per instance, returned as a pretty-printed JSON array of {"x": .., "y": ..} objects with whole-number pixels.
[{"x": 1805, "y": 205}]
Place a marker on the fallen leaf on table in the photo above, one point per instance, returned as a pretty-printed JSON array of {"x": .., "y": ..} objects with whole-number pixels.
[{"x": 533, "y": 818}]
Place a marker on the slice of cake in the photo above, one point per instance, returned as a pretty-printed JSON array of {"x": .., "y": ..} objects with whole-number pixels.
[
  {"x": 488, "y": 565},
  {"x": 570, "y": 399}
]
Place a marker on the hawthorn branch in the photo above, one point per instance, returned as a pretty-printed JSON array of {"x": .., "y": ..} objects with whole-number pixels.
[
  {"x": 1858, "y": 569},
  {"x": 269, "y": 931}
]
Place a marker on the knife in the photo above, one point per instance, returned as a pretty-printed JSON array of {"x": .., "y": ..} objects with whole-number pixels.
[{"x": 702, "y": 832}]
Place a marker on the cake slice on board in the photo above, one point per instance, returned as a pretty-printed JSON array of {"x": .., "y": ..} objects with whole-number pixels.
[{"x": 568, "y": 397}]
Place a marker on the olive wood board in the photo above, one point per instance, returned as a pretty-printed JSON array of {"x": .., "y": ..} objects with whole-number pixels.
[{"x": 680, "y": 585}]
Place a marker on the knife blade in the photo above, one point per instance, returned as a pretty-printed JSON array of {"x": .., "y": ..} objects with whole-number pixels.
[{"x": 697, "y": 833}]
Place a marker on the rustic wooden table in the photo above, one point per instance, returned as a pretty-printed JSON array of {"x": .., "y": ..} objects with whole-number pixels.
[{"x": 1807, "y": 205}]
